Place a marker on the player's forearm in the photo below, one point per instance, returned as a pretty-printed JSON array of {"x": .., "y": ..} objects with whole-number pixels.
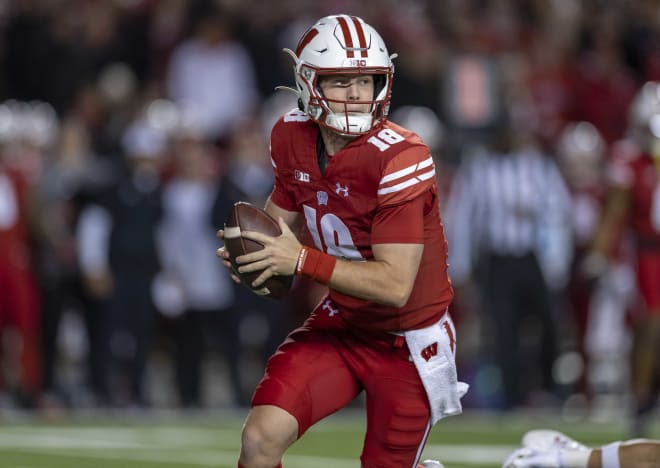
[
  {"x": 375, "y": 281},
  {"x": 387, "y": 279},
  {"x": 611, "y": 221}
]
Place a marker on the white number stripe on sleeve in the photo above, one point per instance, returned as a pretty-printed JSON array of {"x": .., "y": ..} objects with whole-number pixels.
[
  {"x": 426, "y": 175},
  {"x": 406, "y": 171},
  {"x": 407, "y": 183}
]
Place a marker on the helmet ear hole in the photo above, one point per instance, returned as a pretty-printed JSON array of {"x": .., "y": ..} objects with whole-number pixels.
[
  {"x": 301, "y": 106},
  {"x": 379, "y": 83}
]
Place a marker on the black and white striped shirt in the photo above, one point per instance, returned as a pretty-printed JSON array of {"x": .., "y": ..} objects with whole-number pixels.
[{"x": 509, "y": 204}]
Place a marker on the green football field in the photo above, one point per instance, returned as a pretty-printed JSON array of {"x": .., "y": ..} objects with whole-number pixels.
[{"x": 172, "y": 440}]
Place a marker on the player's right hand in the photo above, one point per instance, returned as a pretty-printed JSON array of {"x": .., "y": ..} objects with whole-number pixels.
[
  {"x": 224, "y": 255},
  {"x": 99, "y": 286},
  {"x": 593, "y": 266}
]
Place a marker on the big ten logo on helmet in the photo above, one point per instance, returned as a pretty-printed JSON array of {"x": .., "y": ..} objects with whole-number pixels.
[{"x": 357, "y": 63}]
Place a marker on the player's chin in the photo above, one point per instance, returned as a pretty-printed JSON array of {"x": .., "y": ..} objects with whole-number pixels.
[{"x": 357, "y": 111}]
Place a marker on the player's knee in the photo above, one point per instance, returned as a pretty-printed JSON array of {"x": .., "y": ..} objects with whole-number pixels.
[
  {"x": 254, "y": 441},
  {"x": 263, "y": 443}
]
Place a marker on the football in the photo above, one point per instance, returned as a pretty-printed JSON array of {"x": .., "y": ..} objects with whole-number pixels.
[{"x": 247, "y": 217}]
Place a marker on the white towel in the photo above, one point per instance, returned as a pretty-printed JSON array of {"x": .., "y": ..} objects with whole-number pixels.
[{"x": 431, "y": 352}]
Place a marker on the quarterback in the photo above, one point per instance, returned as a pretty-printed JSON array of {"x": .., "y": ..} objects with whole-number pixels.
[{"x": 365, "y": 190}]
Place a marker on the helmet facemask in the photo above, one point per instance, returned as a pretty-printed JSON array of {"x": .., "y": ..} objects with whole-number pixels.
[
  {"x": 644, "y": 118},
  {"x": 341, "y": 119}
]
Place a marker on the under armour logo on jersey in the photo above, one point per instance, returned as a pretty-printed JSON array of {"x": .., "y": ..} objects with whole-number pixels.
[
  {"x": 341, "y": 190},
  {"x": 430, "y": 351},
  {"x": 327, "y": 305},
  {"x": 322, "y": 198},
  {"x": 301, "y": 176}
]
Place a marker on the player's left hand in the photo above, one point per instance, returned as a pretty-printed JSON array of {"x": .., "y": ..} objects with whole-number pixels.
[
  {"x": 278, "y": 257},
  {"x": 224, "y": 255}
]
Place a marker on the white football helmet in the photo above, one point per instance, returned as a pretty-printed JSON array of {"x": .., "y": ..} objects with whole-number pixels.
[
  {"x": 644, "y": 116},
  {"x": 424, "y": 122},
  {"x": 34, "y": 123},
  {"x": 342, "y": 44},
  {"x": 581, "y": 150}
]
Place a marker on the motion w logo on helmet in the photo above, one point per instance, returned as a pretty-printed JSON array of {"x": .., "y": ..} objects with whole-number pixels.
[{"x": 348, "y": 36}]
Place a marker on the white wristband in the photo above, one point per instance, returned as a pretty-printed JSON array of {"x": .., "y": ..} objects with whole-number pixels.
[{"x": 610, "y": 455}]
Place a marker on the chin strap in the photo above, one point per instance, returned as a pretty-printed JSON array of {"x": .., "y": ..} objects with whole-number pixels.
[{"x": 292, "y": 54}]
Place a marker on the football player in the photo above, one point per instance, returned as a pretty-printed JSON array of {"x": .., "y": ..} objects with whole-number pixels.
[
  {"x": 365, "y": 190},
  {"x": 634, "y": 202},
  {"x": 598, "y": 308},
  {"x": 27, "y": 134}
]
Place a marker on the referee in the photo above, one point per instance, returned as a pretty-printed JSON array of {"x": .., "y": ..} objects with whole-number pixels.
[{"x": 509, "y": 232}]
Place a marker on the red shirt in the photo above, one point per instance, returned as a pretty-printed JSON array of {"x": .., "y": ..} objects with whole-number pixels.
[
  {"x": 379, "y": 189},
  {"x": 636, "y": 172},
  {"x": 13, "y": 219}
]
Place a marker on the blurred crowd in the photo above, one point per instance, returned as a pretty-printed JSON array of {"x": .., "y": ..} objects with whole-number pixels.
[{"x": 129, "y": 127}]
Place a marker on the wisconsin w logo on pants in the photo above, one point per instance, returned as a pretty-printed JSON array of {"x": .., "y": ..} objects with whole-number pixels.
[{"x": 430, "y": 351}]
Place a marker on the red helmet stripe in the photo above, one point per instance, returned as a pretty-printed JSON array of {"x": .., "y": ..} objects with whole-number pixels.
[
  {"x": 360, "y": 33},
  {"x": 347, "y": 36},
  {"x": 306, "y": 39}
]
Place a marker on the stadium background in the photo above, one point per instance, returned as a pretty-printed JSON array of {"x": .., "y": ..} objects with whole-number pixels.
[{"x": 106, "y": 70}]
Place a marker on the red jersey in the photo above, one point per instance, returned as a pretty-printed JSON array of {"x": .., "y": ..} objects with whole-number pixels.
[
  {"x": 636, "y": 172},
  {"x": 379, "y": 189},
  {"x": 13, "y": 222}
]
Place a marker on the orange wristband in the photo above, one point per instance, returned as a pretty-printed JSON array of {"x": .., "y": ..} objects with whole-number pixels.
[{"x": 315, "y": 265}]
